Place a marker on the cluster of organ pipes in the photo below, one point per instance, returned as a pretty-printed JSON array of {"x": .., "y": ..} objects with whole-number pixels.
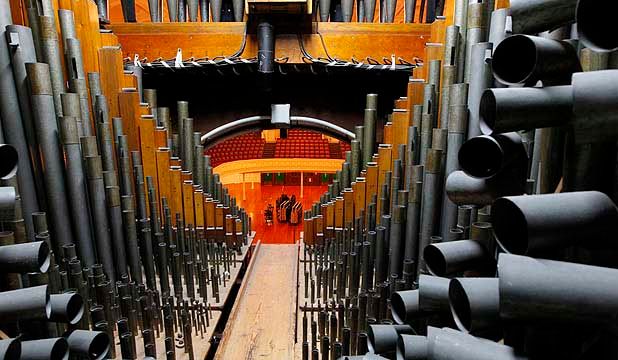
[
  {"x": 118, "y": 240},
  {"x": 464, "y": 230}
]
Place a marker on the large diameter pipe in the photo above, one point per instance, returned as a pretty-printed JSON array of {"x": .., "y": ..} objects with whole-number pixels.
[
  {"x": 92, "y": 345},
  {"x": 514, "y": 109},
  {"x": 446, "y": 343},
  {"x": 382, "y": 339},
  {"x": 480, "y": 79},
  {"x": 25, "y": 304},
  {"x": 546, "y": 291},
  {"x": 430, "y": 298},
  {"x": 25, "y": 258},
  {"x": 8, "y": 198},
  {"x": 526, "y": 60},
  {"x": 49, "y": 142},
  {"x": 534, "y": 16},
  {"x": 45, "y": 349},
  {"x": 475, "y": 304},
  {"x": 591, "y": 15},
  {"x": 77, "y": 189},
  {"x": 486, "y": 156},
  {"x": 463, "y": 189},
  {"x": 12, "y": 122},
  {"x": 451, "y": 257},
  {"x": 66, "y": 308},
  {"x": 538, "y": 223},
  {"x": 10, "y": 349}
]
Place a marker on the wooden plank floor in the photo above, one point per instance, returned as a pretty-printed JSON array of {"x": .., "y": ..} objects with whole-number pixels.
[
  {"x": 263, "y": 322},
  {"x": 259, "y": 196}
]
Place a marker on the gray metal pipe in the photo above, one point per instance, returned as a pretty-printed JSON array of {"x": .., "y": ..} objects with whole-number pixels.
[
  {"x": 187, "y": 144},
  {"x": 396, "y": 243},
  {"x": 430, "y": 215},
  {"x": 448, "y": 258},
  {"x": 77, "y": 190},
  {"x": 413, "y": 220},
  {"x": 463, "y": 189},
  {"x": 382, "y": 339},
  {"x": 475, "y": 304},
  {"x": 539, "y": 59},
  {"x": 215, "y": 9},
  {"x": 369, "y": 135},
  {"x": 25, "y": 258},
  {"x": 49, "y": 142},
  {"x": 51, "y": 56},
  {"x": 92, "y": 345},
  {"x": 102, "y": 237},
  {"x": 467, "y": 347},
  {"x": 10, "y": 349},
  {"x": 114, "y": 211},
  {"x": 25, "y": 304},
  {"x": 480, "y": 79},
  {"x": 546, "y": 291},
  {"x": 369, "y": 7},
  {"x": 66, "y": 308},
  {"x": 13, "y": 125},
  {"x": 204, "y": 11},
  {"x": 514, "y": 109},
  {"x": 458, "y": 123},
  {"x": 539, "y": 223},
  {"x": 535, "y": 16},
  {"x": 486, "y": 156},
  {"x": 590, "y": 15},
  {"x": 475, "y": 33},
  {"x": 498, "y": 28},
  {"x": 45, "y": 349},
  {"x": 412, "y": 347},
  {"x": 461, "y": 20},
  {"x": 430, "y": 298}
]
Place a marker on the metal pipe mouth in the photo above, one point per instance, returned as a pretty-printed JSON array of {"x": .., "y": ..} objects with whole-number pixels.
[
  {"x": 12, "y": 349},
  {"x": 434, "y": 261},
  {"x": 510, "y": 227},
  {"x": 481, "y": 157},
  {"x": 398, "y": 308},
  {"x": 99, "y": 346},
  {"x": 60, "y": 350},
  {"x": 514, "y": 60},
  {"x": 44, "y": 258},
  {"x": 8, "y": 165},
  {"x": 460, "y": 305},
  {"x": 75, "y": 309},
  {"x": 487, "y": 112},
  {"x": 592, "y": 18}
]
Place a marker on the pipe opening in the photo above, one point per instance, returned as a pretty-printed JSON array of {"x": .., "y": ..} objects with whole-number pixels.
[
  {"x": 593, "y": 18},
  {"x": 400, "y": 352},
  {"x": 510, "y": 227},
  {"x": 460, "y": 306},
  {"x": 398, "y": 309},
  {"x": 99, "y": 346},
  {"x": 435, "y": 261},
  {"x": 8, "y": 165},
  {"x": 370, "y": 340},
  {"x": 60, "y": 350},
  {"x": 487, "y": 112},
  {"x": 481, "y": 157},
  {"x": 514, "y": 60},
  {"x": 44, "y": 258},
  {"x": 75, "y": 309},
  {"x": 12, "y": 350}
]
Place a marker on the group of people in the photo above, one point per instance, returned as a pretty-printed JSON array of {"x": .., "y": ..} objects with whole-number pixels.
[{"x": 287, "y": 210}]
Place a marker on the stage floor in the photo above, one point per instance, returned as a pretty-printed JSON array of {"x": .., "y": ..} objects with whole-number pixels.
[{"x": 258, "y": 197}]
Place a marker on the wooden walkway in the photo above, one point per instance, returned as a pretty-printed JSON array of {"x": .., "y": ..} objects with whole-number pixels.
[{"x": 262, "y": 324}]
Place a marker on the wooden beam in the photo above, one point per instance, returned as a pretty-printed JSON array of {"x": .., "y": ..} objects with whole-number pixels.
[{"x": 341, "y": 40}]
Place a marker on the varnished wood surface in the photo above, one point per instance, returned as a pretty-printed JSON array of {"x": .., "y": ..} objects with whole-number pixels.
[
  {"x": 258, "y": 197},
  {"x": 342, "y": 40},
  {"x": 262, "y": 323}
]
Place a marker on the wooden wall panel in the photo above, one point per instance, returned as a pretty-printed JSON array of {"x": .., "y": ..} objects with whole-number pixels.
[{"x": 112, "y": 76}]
